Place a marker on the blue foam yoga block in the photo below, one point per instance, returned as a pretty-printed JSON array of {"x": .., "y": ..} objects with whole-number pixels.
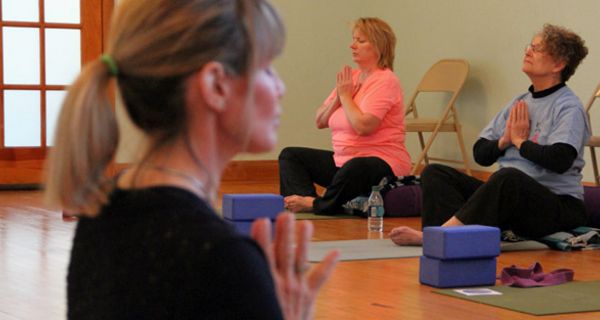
[
  {"x": 461, "y": 242},
  {"x": 244, "y": 227},
  {"x": 247, "y": 207},
  {"x": 457, "y": 273}
]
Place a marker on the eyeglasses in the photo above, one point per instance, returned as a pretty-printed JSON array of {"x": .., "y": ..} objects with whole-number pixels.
[{"x": 537, "y": 48}]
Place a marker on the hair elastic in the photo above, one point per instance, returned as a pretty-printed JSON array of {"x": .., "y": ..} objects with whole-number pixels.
[{"x": 111, "y": 64}]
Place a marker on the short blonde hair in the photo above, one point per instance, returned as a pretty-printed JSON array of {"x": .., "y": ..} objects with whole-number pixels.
[
  {"x": 156, "y": 45},
  {"x": 380, "y": 34}
]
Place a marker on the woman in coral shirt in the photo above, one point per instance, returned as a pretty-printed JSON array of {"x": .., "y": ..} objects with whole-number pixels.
[{"x": 365, "y": 113}]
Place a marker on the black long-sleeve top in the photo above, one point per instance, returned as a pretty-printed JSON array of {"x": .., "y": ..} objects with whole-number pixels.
[
  {"x": 162, "y": 253},
  {"x": 557, "y": 157}
]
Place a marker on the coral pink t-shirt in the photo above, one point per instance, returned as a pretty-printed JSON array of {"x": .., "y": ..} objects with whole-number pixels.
[{"x": 380, "y": 95}]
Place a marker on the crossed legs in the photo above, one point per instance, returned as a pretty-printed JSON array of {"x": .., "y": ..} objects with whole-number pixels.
[
  {"x": 510, "y": 199},
  {"x": 300, "y": 168}
]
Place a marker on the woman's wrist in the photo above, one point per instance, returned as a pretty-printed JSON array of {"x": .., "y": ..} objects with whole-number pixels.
[
  {"x": 517, "y": 142},
  {"x": 503, "y": 143},
  {"x": 344, "y": 98}
]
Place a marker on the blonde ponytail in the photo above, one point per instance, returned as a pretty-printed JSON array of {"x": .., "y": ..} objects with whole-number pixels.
[
  {"x": 85, "y": 142},
  {"x": 154, "y": 46}
]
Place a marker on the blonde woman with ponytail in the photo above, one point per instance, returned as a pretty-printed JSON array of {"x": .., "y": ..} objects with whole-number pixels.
[{"x": 196, "y": 78}]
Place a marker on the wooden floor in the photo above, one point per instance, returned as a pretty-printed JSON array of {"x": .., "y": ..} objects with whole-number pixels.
[{"x": 35, "y": 244}]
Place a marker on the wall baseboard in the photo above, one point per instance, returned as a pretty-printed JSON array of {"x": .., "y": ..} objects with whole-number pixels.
[
  {"x": 268, "y": 170},
  {"x": 243, "y": 171},
  {"x": 256, "y": 171},
  {"x": 238, "y": 171},
  {"x": 252, "y": 171}
]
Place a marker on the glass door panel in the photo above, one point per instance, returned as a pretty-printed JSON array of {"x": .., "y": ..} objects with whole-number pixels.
[
  {"x": 21, "y": 59},
  {"x": 62, "y": 11},
  {"x": 20, "y": 10},
  {"x": 22, "y": 118},
  {"x": 54, "y": 100},
  {"x": 63, "y": 55}
]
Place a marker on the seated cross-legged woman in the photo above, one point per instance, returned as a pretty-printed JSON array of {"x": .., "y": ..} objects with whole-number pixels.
[
  {"x": 365, "y": 113},
  {"x": 538, "y": 141}
]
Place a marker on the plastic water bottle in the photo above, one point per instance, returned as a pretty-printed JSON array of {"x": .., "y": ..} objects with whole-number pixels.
[{"x": 375, "y": 213}]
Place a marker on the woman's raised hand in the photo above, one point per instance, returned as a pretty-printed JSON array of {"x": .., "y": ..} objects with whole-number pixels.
[
  {"x": 345, "y": 86},
  {"x": 519, "y": 128},
  {"x": 505, "y": 141},
  {"x": 297, "y": 283}
]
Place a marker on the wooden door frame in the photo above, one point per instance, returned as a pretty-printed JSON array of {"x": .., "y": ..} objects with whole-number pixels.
[{"x": 22, "y": 168}]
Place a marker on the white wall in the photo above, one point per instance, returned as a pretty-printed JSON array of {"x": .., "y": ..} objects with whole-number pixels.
[{"x": 490, "y": 34}]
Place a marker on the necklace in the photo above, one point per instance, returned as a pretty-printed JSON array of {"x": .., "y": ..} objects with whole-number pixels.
[
  {"x": 364, "y": 75},
  {"x": 196, "y": 183}
]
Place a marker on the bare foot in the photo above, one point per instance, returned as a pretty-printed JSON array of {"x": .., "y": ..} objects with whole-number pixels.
[
  {"x": 405, "y": 236},
  {"x": 298, "y": 203}
]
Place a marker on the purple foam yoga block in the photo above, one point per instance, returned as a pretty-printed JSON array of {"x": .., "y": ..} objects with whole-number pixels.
[
  {"x": 457, "y": 273},
  {"x": 247, "y": 207},
  {"x": 461, "y": 242}
]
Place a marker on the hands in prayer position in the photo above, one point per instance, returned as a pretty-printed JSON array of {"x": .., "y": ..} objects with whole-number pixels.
[
  {"x": 517, "y": 126},
  {"x": 519, "y": 119},
  {"x": 345, "y": 87}
]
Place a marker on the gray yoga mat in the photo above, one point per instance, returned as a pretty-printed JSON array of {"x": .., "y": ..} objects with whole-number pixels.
[
  {"x": 522, "y": 246},
  {"x": 366, "y": 249},
  {"x": 312, "y": 216}
]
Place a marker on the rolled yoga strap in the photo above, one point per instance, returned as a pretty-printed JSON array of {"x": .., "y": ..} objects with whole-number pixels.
[{"x": 534, "y": 276}]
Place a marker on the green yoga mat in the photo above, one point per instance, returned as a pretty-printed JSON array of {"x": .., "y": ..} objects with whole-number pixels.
[{"x": 577, "y": 296}]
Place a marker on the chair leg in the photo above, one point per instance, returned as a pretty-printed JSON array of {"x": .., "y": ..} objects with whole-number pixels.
[
  {"x": 422, "y": 142},
  {"x": 595, "y": 165},
  {"x": 423, "y": 154}
]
